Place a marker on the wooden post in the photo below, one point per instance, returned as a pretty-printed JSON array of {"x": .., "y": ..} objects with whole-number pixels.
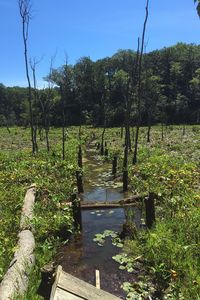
[
  {"x": 98, "y": 146},
  {"x": 102, "y": 150},
  {"x": 125, "y": 180},
  {"x": 102, "y": 141},
  {"x": 122, "y": 132},
  {"x": 79, "y": 181},
  {"x": 76, "y": 208},
  {"x": 125, "y": 163},
  {"x": 97, "y": 275},
  {"x": 80, "y": 161},
  {"x": 114, "y": 165},
  {"x": 150, "y": 210},
  {"x": 106, "y": 152}
]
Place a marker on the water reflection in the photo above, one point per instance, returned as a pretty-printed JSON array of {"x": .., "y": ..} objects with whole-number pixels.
[{"x": 83, "y": 256}]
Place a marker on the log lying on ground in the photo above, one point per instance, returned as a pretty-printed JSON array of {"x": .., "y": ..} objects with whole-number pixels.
[
  {"x": 15, "y": 281},
  {"x": 27, "y": 209}
]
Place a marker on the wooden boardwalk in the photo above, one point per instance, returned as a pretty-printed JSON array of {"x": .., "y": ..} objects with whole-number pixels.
[{"x": 68, "y": 287}]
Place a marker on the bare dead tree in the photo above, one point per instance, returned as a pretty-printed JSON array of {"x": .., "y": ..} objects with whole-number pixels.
[
  {"x": 128, "y": 104},
  {"x": 62, "y": 92},
  {"x": 128, "y": 108},
  {"x": 47, "y": 103},
  {"x": 139, "y": 89},
  {"x": 33, "y": 64},
  {"x": 25, "y": 13}
]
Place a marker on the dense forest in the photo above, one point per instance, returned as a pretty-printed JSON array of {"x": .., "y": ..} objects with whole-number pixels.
[{"x": 95, "y": 92}]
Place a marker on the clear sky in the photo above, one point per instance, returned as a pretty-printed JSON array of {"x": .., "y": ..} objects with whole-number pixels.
[{"x": 95, "y": 28}]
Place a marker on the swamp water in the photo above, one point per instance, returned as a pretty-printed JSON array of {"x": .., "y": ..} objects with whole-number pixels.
[{"x": 83, "y": 256}]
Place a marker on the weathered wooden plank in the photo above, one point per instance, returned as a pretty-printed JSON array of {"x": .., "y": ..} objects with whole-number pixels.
[
  {"x": 53, "y": 290},
  {"x": 97, "y": 276},
  {"x": 61, "y": 294},
  {"x": 105, "y": 205},
  {"x": 75, "y": 287},
  {"x": 129, "y": 201}
]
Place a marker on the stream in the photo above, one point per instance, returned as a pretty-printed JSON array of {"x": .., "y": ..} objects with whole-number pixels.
[{"x": 82, "y": 256}]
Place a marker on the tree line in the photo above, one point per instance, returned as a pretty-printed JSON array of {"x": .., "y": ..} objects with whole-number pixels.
[{"x": 95, "y": 92}]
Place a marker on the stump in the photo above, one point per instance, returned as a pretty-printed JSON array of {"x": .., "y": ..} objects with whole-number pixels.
[
  {"x": 76, "y": 208},
  {"x": 114, "y": 165},
  {"x": 150, "y": 210},
  {"x": 79, "y": 181}
]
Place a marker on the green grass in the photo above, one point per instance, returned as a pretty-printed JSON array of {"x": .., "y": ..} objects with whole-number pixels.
[
  {"x": 170, "y": 168},
  {"x": 55, "y": 182}
]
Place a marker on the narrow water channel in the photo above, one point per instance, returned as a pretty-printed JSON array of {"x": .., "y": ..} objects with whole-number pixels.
[{"x": 83, "y": 256}]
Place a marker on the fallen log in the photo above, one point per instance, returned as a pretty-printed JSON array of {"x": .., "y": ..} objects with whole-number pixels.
[
  {"x": 98, "y": 205},
  {"x": 15, "y": 281},
  {"x": 27, "y": 209},
  {"x": 130, "y": 201},
  {"x": 133, "y": 199}
]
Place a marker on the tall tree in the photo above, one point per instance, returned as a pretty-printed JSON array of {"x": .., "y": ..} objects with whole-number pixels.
[
  {"x": 139, "y": 89},
  {"x": 25, "y": 13}
]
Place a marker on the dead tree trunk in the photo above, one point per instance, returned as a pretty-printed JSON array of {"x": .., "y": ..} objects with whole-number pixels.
[
  {"x": 162, "y": 132},
  {"x": 125, "y": 163},
  {"x": 149, "y": 129},
  {"x": 80, "y": 160},
  {"x": 183, "y": 132},
  {"x": 76, "y": 208},
  {"x": 150, "y": 210},
  {"x": 139, "y": 91},
  {"x": 129, "y": 139},
  {"x": 35, "y": 94},
  {"x": 122, "y": 132},
  {"x": 63, "y": 123},
  {"x": 102, "y": 141},
  {"x": 79, "y": 180},
  {"x": 133, "y": 134},
  {"x": 106, "y": 150},
  {"x": 25, "y": 13},
  {"x": 148, "y": 133},
  {"x": 114, "y": 165}
]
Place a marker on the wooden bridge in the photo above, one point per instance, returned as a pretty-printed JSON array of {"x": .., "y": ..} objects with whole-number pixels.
[{"x": 68, "y": 287}]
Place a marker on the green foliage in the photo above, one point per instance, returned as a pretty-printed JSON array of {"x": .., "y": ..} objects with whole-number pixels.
[
  {"x": 139, "y": 290},
  {"x": 171, "y": 249},
  {"x": 95, "y": 92},
  {"x": 126, "y": 262},
  {"x": 55, "y": 180},
  {"x": 169, "y": 253},
  {"x": 100, "y": 238}
]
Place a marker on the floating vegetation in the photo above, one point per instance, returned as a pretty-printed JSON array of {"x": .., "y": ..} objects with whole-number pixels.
[
  {"x": 101, "y": 237},
  {"x": 126, "y": 262},
  {"x": 138, "y": 290}
]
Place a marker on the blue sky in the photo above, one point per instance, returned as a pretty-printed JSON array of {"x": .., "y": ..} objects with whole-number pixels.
[{"x": 95, "y": 28}]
